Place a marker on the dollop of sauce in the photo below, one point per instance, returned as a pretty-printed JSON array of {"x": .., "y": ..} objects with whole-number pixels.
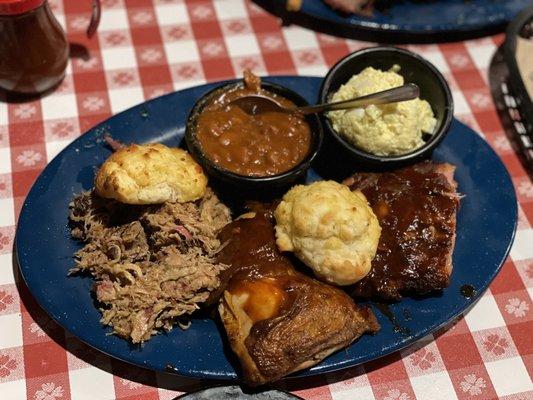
[
  {"x": 264, "y": 297},
  {"x": 253, "y": 145},
  {"x": 468, "y": 291}
]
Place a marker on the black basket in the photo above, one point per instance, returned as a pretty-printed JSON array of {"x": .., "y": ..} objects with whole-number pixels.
[{"x": 517, "y": 100}]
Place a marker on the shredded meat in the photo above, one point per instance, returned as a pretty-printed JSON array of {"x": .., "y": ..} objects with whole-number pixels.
[
  {"x": 113, "y": 143},
  {"x": 153, "y": 265}
]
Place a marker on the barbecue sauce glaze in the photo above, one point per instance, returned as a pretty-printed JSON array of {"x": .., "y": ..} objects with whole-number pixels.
[{"x": 416, "y": 209}]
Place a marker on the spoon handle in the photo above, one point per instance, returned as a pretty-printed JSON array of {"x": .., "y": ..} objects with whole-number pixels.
[{"x": 394, "y": 95}]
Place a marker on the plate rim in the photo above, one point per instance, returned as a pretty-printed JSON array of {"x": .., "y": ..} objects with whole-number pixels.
[
  {"x": 392, "y": 33},
  {"x": 185, "y": 396},
  {"x": 232, "y": 376}
]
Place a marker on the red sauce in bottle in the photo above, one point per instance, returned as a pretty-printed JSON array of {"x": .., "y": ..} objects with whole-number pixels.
[{"x": 33, "y": 47}]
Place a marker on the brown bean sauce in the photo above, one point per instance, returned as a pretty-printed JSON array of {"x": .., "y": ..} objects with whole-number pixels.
[{"x": 252, "y": 145}]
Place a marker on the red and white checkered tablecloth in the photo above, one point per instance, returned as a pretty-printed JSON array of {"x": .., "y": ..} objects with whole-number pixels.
[{"x": 146, "y": 48}]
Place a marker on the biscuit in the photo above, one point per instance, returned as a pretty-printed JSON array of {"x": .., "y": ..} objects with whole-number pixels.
[
  {"x": 331, "y": 229},
  {"x": 150, "y": 174}
]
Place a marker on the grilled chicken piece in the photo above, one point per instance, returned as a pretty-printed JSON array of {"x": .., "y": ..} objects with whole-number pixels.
[
  {"x": 416, "y": 207},
  {"x": 278, "y": 320}
]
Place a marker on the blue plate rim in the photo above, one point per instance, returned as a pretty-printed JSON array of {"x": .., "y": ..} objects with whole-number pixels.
[
  {"x": 406, "y": 31},
  {"x": 317, "y": 370}
]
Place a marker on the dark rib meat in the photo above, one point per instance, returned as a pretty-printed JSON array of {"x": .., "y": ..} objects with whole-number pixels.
[
  {"x": 113, "y": 143},
  {"x": 416, "y": 207}
]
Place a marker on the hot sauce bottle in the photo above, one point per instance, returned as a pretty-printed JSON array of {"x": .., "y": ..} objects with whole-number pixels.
[{"x": 33, "y": 47}]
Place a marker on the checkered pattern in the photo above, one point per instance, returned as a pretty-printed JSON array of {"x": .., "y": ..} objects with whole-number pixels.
[{"x": 147, "y": 48}]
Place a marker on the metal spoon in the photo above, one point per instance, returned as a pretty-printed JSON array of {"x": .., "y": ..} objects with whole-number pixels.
[{"x": 258, "y": 104}]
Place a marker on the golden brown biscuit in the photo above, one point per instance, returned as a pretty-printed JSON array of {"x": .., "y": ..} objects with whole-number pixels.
[
  {"x": 150, "y": 174},
  {"x": 331, "y": 229}
]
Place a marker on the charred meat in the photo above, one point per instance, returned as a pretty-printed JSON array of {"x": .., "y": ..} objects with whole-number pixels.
[
  {"x": 278, "y": 320},
  {"x": 416, "y": 207}
]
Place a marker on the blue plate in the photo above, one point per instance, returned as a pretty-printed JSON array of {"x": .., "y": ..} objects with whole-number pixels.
[
  {"x": 236, "y": 393},
  {"x": 485, "y": 231},
  {"x": 412, "y": 18}
]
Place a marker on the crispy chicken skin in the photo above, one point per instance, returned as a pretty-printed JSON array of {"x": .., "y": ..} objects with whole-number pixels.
[
  {"x": 278, "y": 320},
  {"x": 416, "y": 207}
]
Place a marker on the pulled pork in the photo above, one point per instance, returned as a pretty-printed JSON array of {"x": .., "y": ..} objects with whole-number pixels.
[{"x": 153, "y": 265}]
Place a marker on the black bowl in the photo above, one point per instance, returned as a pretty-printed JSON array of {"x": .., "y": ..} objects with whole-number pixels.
[
  {"x": 414, "y": 69},
  {"x": 254, "y": 183}
]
